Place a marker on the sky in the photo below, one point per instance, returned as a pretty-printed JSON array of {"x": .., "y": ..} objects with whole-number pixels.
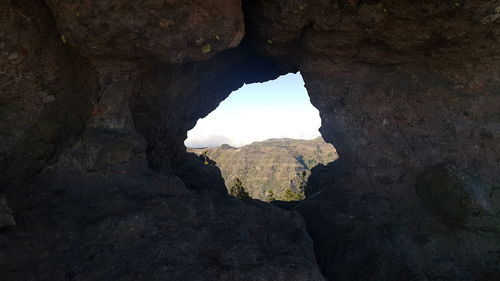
[{"x": 275, "y": 109}]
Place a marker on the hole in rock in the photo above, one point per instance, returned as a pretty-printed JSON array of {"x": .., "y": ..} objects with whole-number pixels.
[{"x": 264, "y": 138}]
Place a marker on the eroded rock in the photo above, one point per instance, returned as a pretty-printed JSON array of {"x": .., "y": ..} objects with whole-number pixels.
[
  {"x": 459, "y": 198},
  {"x": 169, "y": 31},
  {"x": 6, "y": 216},
  {"x": 364, "y": 237},
  {"x": 98, "y": 211},
  {"x": 135, "y": 224},
  {"x": 401, "y": 86},
  {"x": 46, "y": 90}
]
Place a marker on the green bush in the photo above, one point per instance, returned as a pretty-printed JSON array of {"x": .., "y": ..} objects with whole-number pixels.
[
  {"x": 290, "y": 195},
  {"x": 237, "y": 190},
  {"x": 270, "y": 196}
]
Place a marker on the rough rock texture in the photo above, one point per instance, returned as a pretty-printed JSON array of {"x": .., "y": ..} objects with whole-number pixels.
[
  {"x": 173, "y": 98},
  {"x": 470, "y": 202},
  {"x": 97, "y": 211},
  {"x": 401, "y": 86},
  {"x": 274, "y": 165},
  {"x": 6, "y": 216},
  {"x": 150, "y": 30},
  {"x": 90, "y": 92},
  {"x": 106, "y": 223},
  {"x": 417, "y": 98},
  {"x": 364, "y": 237},
  {"x": 46, "y": 90}
]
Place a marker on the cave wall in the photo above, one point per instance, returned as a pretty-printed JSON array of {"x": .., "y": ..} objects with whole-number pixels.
[
  {"x": 97, "y": 98},
  {"x": 408, "y": 93},
  {"x": 47, "y": 90},
  {"x": 400, "y": 85},
  {"x": 92, "y": 208},
  {"x": 193, "y": 91}
]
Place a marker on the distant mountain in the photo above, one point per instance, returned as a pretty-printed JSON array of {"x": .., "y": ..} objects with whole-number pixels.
[{"x": 271, "y": 169}]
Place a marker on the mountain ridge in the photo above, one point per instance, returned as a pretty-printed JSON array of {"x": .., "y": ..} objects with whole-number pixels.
[{"x": 275, "y": 168}]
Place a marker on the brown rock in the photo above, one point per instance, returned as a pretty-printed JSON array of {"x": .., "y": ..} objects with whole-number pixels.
[
  {"x": 401, "y": 86},
  {"x": 46, "y": 90},
  {"x": 168, "y": 31}
]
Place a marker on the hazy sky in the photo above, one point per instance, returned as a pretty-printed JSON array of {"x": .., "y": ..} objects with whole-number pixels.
[{"x": 274, "y": 109}]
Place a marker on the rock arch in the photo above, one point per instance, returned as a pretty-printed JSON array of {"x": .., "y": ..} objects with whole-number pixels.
[{"x": 408, "y": 92}]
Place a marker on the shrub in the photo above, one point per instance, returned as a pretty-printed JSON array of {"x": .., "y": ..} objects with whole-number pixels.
[
  {"x": 290, "y": 195},
  {"x": 237, "y": 190},
  {"x": 270, "y": 196}
]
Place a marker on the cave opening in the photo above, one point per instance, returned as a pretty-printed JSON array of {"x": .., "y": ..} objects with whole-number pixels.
[{"x": 265, "y": 140}]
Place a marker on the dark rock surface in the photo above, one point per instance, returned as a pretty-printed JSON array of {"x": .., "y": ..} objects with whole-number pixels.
[
  {"x": 469, "y": 201},
  {"x": 401, "y": 87},
  {"x": 46, "y": 89},
  {"x": 6, "y": 216},
  {"x": 394, "y": 242},
  {"x": 96, "y": 99},
  {"x": 110, "y": 224},
  {"x": 97, "y": 211},
  {"x": 172, "y": 31},
  {"x": 196, "y": 175}
]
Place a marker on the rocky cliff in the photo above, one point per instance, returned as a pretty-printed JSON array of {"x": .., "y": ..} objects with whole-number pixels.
[
  {"x": 96, "y": 99},
  {"x": 275, "y": 169}
]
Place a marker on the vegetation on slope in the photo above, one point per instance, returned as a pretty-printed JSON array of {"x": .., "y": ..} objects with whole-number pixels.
[{"x": 275, "y": 169}]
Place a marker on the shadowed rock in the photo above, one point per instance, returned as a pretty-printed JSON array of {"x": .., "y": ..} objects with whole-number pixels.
[
  {"x": 460, "y": 198},
  {"x": 6, "y": 217},
  {"x": 96, "y": 99}
]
